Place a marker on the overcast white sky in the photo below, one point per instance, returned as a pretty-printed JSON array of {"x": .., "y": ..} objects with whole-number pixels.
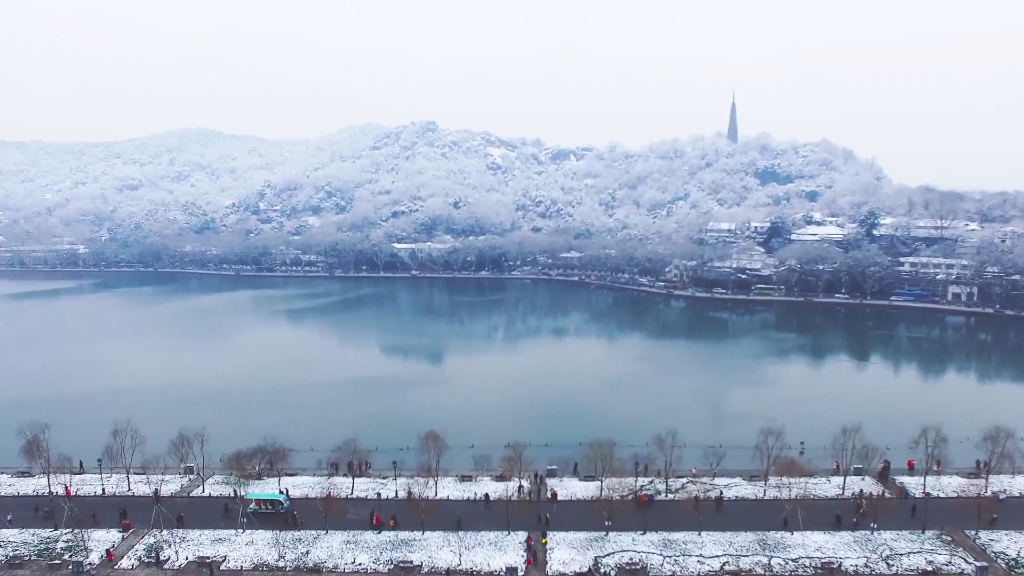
[{"x": 933, "y": 89}]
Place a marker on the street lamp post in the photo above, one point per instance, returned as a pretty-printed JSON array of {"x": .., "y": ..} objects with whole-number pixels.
[
  {"x": 636, "y": 477},
  {"x": 394, "y": 466},
  {"x": 99, "y": 462}
]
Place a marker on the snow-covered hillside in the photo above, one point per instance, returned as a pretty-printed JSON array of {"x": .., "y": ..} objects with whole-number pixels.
[{"x": 415, "y": 182}]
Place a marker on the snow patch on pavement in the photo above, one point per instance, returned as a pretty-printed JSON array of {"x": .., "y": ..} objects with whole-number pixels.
[
  {"x": 757, "y": 552},
  {"x": 951, "y": 486},
  {"x": 91, "y": 484},
  {"x": 33, "y": 544},
  {"x": 341, "y": 551},
  {"x": 568, "y": 488}
]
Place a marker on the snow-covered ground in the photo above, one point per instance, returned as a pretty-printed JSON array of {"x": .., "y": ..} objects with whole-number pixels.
[
  {"x": 342, "y": 551},
  {"x": 1005, "y": 546},
  {"x": 757, "y": 552},
  {"x": 91, "y": 485},
  {"x": 48, "y": 545},
  {"x": 567, "y": 488},
  {"x": 951, "y": 486}
]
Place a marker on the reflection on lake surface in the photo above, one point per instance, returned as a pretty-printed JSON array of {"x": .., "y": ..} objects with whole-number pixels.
[{"x": 312, "y": 361}]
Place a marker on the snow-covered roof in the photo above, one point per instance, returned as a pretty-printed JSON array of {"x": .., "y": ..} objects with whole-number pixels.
[
  {"x": 928, "y": 260},
  {"x": 819, "y": 233},
  {"x": 420, "y": 246}
]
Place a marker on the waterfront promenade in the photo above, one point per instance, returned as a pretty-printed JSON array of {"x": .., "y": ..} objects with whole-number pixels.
[
  {"x": 445, "y": 515},
  {"x": 575, "y": 278}
]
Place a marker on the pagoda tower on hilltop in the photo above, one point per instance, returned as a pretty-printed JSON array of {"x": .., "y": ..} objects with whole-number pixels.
[{"x": 734, "y": 133}]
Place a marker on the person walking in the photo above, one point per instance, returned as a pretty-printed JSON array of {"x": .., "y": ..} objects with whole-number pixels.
[{"x": 10, "y": 519}]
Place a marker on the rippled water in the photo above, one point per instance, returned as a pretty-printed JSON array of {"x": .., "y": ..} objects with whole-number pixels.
[{"x": 312, "y": 361}]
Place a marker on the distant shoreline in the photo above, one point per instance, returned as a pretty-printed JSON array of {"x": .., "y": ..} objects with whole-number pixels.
[{"x": 686, "y": 295}]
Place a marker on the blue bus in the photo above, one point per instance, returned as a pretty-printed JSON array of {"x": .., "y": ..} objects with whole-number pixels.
[{"x": 912, "y": 296}]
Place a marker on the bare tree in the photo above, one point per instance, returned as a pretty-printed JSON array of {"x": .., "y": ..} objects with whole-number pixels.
[
  {"x": 933, "y": 444},
  {"x": 714, "y": 456},
  {"x": 794, "y": 479},
  {"x": 351, "y": 449},
  {"x": 154, "y": 473},
  {"x": 419, "y": 500},
  {"x": 126, "y": 443},
  {"x": 65, "y": 468},
  {"x": 36, "y": 449},
  {"x": 326, "y": 501},
  {"x": 869, "y": 454},
  {"x": 508, "y": 493},
  {"x": 180, "y": 448},
  {"x": 517, "y": 460},
  {"x": 846, "y": 446},
  {"x": 278, "y": 458},
  {"x": 199, "y": 453},
  {"x": 380, "y": 255},
  {"x": 255, "y": 461},
  {"x": 668, "y": 450},
  {"x": 460, "y": 541},
  {"x": 239, "y": 467},
  {"x": 433, "y": 447},
  {"x": 943, "y": 207},
  {"x": 109, "y": 455},
  {"x": 998, "y": 446},
  {"x": 770, "y": 446},
  {"x": 483, "y": 462},
  {"x": 599, "y": 456}
]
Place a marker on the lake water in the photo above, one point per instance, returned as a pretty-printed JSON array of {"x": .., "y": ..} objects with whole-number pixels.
[{"x": 487, "y": 361}]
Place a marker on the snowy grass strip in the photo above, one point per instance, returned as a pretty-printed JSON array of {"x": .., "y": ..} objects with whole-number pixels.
[
  {"x": 568, "y": 488},
  {"x": 48, "y": 545},
  {"x": 756, "y": 552},
  {"x": 341, "y": 551},
  {"x": 91, "y": 484},
  {"x": 1005, "y": 546}
]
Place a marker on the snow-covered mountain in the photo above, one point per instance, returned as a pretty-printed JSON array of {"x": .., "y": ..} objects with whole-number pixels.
[{"x": 415, "y": 182}]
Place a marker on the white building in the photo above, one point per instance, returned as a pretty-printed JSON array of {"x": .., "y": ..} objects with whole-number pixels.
[
  {"x": 1008, "y": 236},
  {"x": 925, "y": 265},
  {"x": 751, "y": 259},
  {"x": 420, "y": 247},
  {"x": 759, "y": 228},
  {"x": 722, "y": 232},
  {"x": 961, "y": 293},
  {"x": 818, "y": 234}
]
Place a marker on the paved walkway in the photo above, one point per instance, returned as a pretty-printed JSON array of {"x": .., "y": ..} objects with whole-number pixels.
[{"x": 343, "y": 514}]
